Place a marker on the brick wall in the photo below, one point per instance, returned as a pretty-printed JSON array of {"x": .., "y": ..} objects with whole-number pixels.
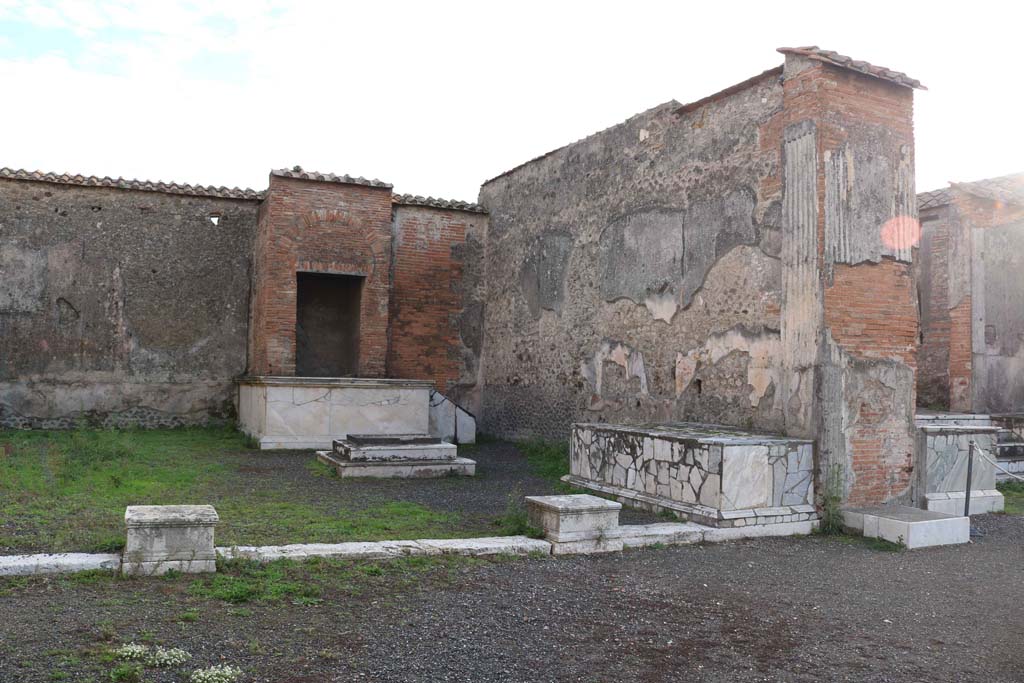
[
  {"x": 933, "y": 379},
  {"x": 870, "y": 311},
  {"x": 323, "y": 227},
  {"x": 959, "y": 350},
  {"x": 435, "y": 279}
]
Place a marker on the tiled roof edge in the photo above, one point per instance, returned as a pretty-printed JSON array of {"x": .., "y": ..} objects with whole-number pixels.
[
  {"x": 131, "y": 184},
  {"x": 933, "y": 198},
  {"x": 844, "y": 62},
  {"x": 300, "y": 174},
  {"x": 435, "y": 203}
]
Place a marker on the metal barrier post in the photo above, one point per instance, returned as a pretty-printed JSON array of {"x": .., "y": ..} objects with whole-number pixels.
[{"x": 970, "y": 464}]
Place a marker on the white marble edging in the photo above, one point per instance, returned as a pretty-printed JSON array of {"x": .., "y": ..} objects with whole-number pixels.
[
  {"x": 633, "y": 536},
  {"x": 57, "y": 563},
  {"x": 381, "y": 550}
]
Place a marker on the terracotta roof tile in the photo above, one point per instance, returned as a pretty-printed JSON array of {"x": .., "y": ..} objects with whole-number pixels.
[
  {"x": 836, "y": 59},
  {"x": 128, "y": 184},
  {"x": 1007, "y": 188},
  {"x": 450, "y": 204},
  {"x": 933, "y": 198},
  {"x": 297, "y": 172}
]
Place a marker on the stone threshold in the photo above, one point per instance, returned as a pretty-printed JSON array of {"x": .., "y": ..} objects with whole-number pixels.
[
  {"x": 631, "y": 536},
  {"x": 700, "y": 514}
]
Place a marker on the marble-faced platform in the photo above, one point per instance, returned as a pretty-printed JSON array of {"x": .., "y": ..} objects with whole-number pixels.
[
  {"x": 944, "y": 449},
  {"x": 709, "y": 474},
  {"x": 311, "y": 412}
]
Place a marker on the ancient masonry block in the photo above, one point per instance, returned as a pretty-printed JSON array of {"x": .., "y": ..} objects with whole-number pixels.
[
  {"x": 577, "y": 523},
  {"x": 166, "y": 537}
]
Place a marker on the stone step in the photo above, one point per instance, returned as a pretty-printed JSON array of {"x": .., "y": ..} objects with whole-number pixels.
[
  {"x": 911, "y": 527},
  {"x": 391, "y": 439},
  {"x": 398, "y": 469},
  {"x": 383, "y": 450}
]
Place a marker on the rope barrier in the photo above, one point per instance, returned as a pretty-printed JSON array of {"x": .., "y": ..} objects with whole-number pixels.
[{"x": 983, "y": 453}]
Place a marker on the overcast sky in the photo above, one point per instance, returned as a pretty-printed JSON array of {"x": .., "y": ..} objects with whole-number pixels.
[{"x": 437, "y": 97}]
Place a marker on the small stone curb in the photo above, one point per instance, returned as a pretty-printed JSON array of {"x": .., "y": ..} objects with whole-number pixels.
[
  {"x": 58, "y": 563},
  {"x": 632, "y": 536},
  {"x": 381, "y": 550}
]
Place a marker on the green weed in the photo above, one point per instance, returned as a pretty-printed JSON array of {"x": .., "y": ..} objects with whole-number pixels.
[{"x": 1013, "y": 493}]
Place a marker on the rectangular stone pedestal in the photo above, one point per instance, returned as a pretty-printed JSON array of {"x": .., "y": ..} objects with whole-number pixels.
[
  {"x": 311, "y": 412},
  {"x": 577, "y": 523},
  {"x": 952, "y": 503},
  {"x": 911, "y": 527},
  {"x": 166, "y": 537},
  {"x": 944, "y": 446}
]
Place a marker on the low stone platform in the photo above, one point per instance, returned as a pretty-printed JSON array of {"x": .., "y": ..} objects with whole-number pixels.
[
  {"x": 911, "y": 527},
  {"x": 713, "y": 475}
]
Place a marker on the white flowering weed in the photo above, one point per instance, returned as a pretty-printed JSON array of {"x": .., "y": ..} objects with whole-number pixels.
[
  {"x": 220, "y": 673},
  {"x": 167, "y": 656},
  {"x": 131, "y": 652}
]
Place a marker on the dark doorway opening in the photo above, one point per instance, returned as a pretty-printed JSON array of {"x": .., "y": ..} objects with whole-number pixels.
[{"x": 327, "y": 325}]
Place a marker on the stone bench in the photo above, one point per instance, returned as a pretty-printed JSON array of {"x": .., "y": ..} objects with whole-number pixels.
[{"x": 162, "y": 538}]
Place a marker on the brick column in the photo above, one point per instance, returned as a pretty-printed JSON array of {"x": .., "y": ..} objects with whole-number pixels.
[{"x": 319, "y": 223}]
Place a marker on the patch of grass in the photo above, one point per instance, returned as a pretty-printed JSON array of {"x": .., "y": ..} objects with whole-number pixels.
[
  {"x": 515, "y": 521},
  {"x": 1013, "y": 493},
  {"x": 126, "y": 673},
  {"x": 66, "y": 491},
  {"x": 319, "y": 469},
  {"x": 547, "y": 459},
  {"x": 831, "y": 502},
  {"x": 306, "y": 583},
  {"x": 189, "y": 616}
]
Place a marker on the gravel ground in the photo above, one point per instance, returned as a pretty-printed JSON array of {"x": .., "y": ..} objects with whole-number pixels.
[
  {"x": 501, "y": 470},
  {"x": 811, "y": 609}
]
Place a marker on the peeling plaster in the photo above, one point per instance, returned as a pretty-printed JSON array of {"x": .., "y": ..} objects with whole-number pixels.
[
  {"x": 631, "y": 360},
  {"x": 762, "y": 369},
  {"x": 662, "y": 305}
]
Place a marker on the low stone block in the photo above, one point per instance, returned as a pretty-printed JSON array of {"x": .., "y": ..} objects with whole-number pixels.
[
  {"x": 666, "y": 533},
  {"x": 162, "y": 538},
  {"x": 952, "y": 503},
  {"x": 911, "y": 527},
  {"x": 577, "y": 523}
]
